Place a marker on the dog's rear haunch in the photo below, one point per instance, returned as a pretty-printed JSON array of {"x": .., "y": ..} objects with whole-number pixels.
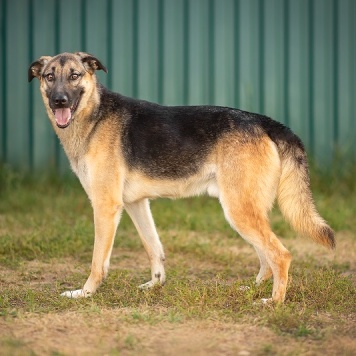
[{"x": 127, "y": 151}]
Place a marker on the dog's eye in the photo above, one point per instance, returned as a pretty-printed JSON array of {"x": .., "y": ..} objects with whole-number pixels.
[
  {"x": 50, "y": 77},
  {"x": 74, "y": 76}
]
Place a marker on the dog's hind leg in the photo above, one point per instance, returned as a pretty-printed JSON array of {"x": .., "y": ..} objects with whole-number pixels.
[
  {"x": 265, "y": 269},
  {"x": 141, "y": 216},
  {"x": 254, "y": 228},
  {"x": 248, "y": 178}
]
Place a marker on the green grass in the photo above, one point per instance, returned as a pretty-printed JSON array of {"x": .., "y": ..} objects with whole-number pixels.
[{"x": 48, "y": 221}]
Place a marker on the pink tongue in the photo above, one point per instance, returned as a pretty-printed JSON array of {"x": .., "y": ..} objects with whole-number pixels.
[{"x": 62, "y": 116}]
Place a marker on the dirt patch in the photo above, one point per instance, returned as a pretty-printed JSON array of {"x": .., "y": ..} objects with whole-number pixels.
[{"x": 112, "y": 331}]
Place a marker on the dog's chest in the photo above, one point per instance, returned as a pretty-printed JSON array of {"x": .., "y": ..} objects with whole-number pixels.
[{"x": 80, "y": 168}]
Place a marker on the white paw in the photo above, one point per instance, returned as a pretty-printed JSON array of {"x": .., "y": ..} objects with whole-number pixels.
[
  {"x": 79, "y": 293},
  {"x": 264, "y": 301},
  {"x": 149, "y": 284},
  {"x": 244, "y": 288}
]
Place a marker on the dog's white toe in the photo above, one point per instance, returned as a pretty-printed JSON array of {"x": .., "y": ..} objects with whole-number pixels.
[
  {"x": 148, "y": 285},
  {"x": 266, "y": 300},
  {"x": 79, "y": 293}
]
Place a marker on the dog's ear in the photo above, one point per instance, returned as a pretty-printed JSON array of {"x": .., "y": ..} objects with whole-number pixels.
[
  {"x": 91, "y": 63},
  {"x": 36, "y": 68}
]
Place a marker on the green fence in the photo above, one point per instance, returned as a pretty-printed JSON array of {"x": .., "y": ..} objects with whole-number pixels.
[{"x": 293, "y": 60}]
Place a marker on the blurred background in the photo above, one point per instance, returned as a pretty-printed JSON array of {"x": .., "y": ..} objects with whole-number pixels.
[{"x": 293, "y": 60}]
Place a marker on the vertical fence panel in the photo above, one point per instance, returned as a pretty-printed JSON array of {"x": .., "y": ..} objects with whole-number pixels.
[
  {"x": 346, "y": 76},
  {"x": 70, "y": 25},
  {"x": 147, "y": 69},
  {"x": 44, "y": 141},
  {"x": 96, "y": 32},
  {"x": 273, "y": 90},
  {"x": 17, "y": 114},
  {"x": 298, "y": 68},
  {"x": 198, "y": 64},
  {"x": 323, "y": 74},
  {"x": 224, "y": 54},
  {"x": 292, "y": 60},
  {"x": 173, "y": 68},
  {"x": 3, "y": 89},
  {"x": 249, "y": 55},
  {"x": 122, "y": 62}
]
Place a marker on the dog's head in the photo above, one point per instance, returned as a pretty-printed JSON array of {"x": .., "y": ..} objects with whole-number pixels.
[{"x": 66, "y": 83}]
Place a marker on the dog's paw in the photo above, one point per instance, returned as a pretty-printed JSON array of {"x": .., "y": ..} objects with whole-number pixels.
[
  {"x": 158, "y": 279},
  {"x": 149, "y": 284},
  {"x": 79, "y": 293},
  {"x": 264, "y": 301}
]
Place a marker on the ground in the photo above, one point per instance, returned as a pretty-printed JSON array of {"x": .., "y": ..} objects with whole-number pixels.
[
  {"x": 46, "y": 234},
  {"x": 99, "y": 330}
]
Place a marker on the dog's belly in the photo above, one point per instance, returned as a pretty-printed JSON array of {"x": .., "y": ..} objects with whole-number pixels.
[{"x": 139, "y": 186}]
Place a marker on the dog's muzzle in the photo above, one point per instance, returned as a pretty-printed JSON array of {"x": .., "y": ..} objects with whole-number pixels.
[{"x": 62, "y": 110}]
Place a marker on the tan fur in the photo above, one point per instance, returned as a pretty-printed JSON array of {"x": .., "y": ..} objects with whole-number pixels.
[
  {"x": 296, "y": 203},
  {"x": 246, "y": 197},
  {"x": 245, "y": 172}
]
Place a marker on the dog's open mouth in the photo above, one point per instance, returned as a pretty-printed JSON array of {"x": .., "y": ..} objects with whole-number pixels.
[{"x": 64, "y": 115}]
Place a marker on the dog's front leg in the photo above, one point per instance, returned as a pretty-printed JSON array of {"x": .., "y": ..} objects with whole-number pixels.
[
  {"x": 141, "y": 216},
  {"x": 107, "y": 213}
]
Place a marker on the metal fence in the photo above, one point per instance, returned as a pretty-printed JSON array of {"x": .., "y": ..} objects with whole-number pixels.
[{"x": 293, "y": 60}]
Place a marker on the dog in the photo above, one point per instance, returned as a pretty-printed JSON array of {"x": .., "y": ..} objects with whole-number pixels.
[{"x": 127, "y": 151}]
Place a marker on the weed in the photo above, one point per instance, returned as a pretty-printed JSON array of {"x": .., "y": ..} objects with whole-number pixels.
[
  {"x": 130, "y": 342},
  {"x": 267, "y": 349},
  {"x": 14, "y": 346},
  {"x": 303, "y": 330}
]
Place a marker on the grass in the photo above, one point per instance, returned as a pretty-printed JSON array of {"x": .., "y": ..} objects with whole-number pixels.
[{"x": 46, "y": 235}]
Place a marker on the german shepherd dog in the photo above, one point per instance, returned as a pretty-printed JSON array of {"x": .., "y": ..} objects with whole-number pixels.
[{"x": 127, "y": 151}]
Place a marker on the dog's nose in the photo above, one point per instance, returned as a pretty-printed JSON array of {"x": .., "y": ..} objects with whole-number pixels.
[{"x": 60, "y": 99}]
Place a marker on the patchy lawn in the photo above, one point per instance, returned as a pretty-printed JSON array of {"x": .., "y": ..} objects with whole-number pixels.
[{"x": 46, "y": 235}]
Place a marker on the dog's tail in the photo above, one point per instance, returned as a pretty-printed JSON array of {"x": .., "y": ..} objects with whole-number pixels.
[{"x": 294, "y": 194}]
